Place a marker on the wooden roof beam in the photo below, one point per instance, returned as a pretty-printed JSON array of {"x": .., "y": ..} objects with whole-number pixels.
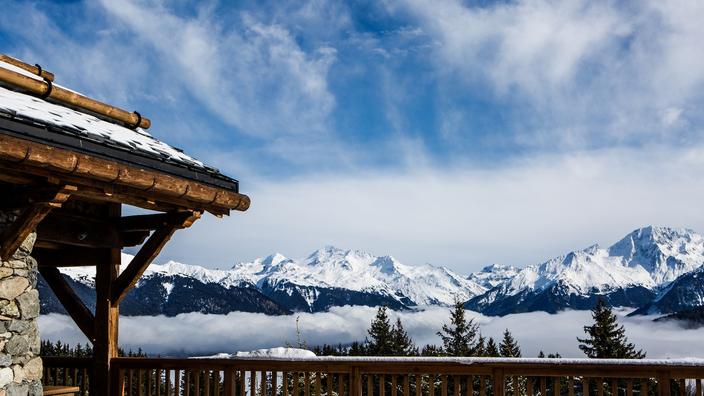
[
  {"x": 70, "y": 301},
  {"x": 148, "y": 253},
  {"x": 27, "y": 222}
]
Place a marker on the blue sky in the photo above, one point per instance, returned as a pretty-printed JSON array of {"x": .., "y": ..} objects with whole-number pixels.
[{"x": 453, "y": 132}]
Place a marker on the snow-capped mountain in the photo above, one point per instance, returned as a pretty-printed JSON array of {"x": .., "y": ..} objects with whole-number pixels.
[
  {"x": 629, "y": 273},
  {"x": 655, "y": 269},
  {"x": 309, "y": 283},
  {"x": 276, "y": 284}
]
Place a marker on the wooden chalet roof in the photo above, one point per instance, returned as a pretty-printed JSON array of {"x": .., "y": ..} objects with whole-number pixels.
[{"x": 49, "y": 138}]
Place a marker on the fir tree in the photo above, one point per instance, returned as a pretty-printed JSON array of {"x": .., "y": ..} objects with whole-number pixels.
[
  {"x": 509, "y": 347},
  {"x": 380, "y": 342},
  {"x": 491, "y": 349},
  {"x": 606, "y": 339},
  {"x": 481, "y": 346},
  {"x": 431, "y": 350},
  {"x": 402, "y": 343},
  {"x": 459, "y": 336}
]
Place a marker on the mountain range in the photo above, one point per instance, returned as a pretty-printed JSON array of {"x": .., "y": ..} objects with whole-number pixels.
[{"x": 656, "y": 270}]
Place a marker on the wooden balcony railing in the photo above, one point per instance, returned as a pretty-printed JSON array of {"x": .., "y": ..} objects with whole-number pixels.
[{"x": 331, "y": 376}]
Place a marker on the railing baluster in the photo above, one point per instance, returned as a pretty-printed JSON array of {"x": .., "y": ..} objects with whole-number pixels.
[
  {"x": 406, "y": 385},
  {"x": 243, "y": 384},
  {"x": 629, "y": 387},
  {"x": 284, "y": 384},
  {"x": 482, "y": 385},
  {"x": 529, "y": 386},
  {"x": 457, "y": 385},
  {"x": 419, "y": 384},
  {"x": 585, "y": 386},
  {"x": 570, "y": 386},
  {"x": 370, "y": 385},
  {"x": 216, "y": 382},
  {"x": 614, "y": 387},
  {"x": 318, "y": 383},
  {"x": 167, "y": 382},
  {"x": 600, "y": 386},
  {"x": 543, "y": 386},
  {"x": 306, "y": 382},
  {"x": 129, "y": 381},
  {"x": 556, "y": 386},
  {"x": 340, "y": 385},
  {"x": 699, "y": 387},
  {"x": 443, "y": 384},
  {"x": 274, "y": 383},
  {"x": 644, "y": 387},
  {"x": 186, "y": 382},
  {"x": 682, "y": 387},
  {"x": 382, "y": 385},
  {"x": 394, "y": 385},
  {"x": 263, "y": 383},
  {"x": 196, "y": 382}
]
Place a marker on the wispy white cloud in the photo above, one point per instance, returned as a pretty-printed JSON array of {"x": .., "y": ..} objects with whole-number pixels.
[
  {"x": 521, "y": 213},
  {"x": 575, "y": 73},
  {"x": 209, "y": 334}
]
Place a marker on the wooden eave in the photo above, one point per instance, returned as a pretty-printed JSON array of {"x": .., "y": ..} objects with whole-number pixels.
[{"x": 101, "y": 179}]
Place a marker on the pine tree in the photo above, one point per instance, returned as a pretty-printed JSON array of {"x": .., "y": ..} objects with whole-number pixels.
[
  {"x": 431, "y": 350},
  {"x": 402, "y": 343},
  {"x": 380, "y": 342},
  {"x": 509, "y": 347},
  {"x": 491, "y": 349},
  {"x": 481, "y": 346},
  {"x": 606, "y": 339},
  {"x": 459, "y": 336}
]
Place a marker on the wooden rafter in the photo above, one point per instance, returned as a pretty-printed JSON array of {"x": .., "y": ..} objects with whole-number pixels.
[
  {"x": 148, "y": 253},
  {"x": 67, "y": 256},
  {"x": 70, "y": 301},
  {"x": 75, "y": 230},
  {"x": 27, "y": 222}
]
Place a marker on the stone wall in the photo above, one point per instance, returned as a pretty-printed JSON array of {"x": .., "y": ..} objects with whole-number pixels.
[{"x": 20, "y": 364}]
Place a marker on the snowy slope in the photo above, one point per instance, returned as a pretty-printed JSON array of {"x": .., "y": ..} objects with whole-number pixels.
[
  {"x": 631, "y": 272},
  {"x": 332, "y": 268}
]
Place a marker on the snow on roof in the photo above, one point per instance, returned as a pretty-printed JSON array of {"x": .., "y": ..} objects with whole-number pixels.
[{"x": 85, "y": 126}]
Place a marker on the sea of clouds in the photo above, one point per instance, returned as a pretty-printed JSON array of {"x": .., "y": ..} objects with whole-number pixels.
[{"x": 196, "y": 334}]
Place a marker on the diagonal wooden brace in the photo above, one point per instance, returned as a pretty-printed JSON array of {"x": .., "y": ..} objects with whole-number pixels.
[
  {"x": 71, "y": 302},
  {"x": 148, "y": 253},
  {"x": 27, "y": 222}
]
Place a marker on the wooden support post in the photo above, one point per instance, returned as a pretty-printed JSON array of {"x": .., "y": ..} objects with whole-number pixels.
[
  {"x": 106, "y": 318},
  {"x": 664, "y": 384},
  {"x": 70, "y": 301},
  {"x": 27, "y": 222}
]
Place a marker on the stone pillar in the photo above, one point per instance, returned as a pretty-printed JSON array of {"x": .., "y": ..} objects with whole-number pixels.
[{"x": 20, "y": 364}]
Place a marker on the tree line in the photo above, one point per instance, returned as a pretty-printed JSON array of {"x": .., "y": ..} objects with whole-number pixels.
[{"x": 462, "y": 337}]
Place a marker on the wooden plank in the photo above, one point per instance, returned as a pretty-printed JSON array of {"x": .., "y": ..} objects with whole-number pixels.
[
  {"x": 529, "y": 386},
  {"x": 68, "y": 298},
  {"x": 370, "y": 385},
  {"x": 499, "y": 382},
  {"x": 614, "y": 387},
  {"x": 570, "y": 386},
  {"x": 275, "y": 384},
  {"x": 340, "y": 385},
  {"x": 243, "y": 384},
  {"x": 406, "y": 386},
  {"x": 443, "y": 385},
  {"x": 394, "y": 386},
  {"x": 644, "y": 387},
  {"x": 419, "y": 384},
  {"x": 457, "y": 385},
  {"x": 296, "y": 379},
  {"x": 70, "y": 230},
  {"x": 698, "y": 391},
  {"x": 600, "y": 386},
  {"x": 27, "y": 222},
  {"x": 664, "y": 384},
  {"x": 306, "y": 382},
  {"x": 382, "y": 385}
]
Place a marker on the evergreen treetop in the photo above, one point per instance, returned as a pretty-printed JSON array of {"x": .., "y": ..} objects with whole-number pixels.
[
  {"x": 380, "y": 341},
  {"x": 459, "y": 337},
  {"x": 605, "y": 338},
  {"x": 402, "y": 345},
  {"x": 509, "y": 347}
]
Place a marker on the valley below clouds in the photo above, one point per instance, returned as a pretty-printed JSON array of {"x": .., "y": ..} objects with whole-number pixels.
[{"x": 196, "y": 334}]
